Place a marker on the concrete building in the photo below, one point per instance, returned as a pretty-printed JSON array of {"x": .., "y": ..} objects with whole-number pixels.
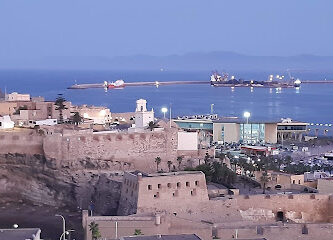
[
  {"x": 235, "y": 130},
  {"x": 6, "y": 122},
  {"x": 290, "y": 129},
  {"x": 14, "y": 97},
  {"x": 99, "y": 115},
  {"x": 20, "y": 234},
  {"x": 142, "y": 116}
]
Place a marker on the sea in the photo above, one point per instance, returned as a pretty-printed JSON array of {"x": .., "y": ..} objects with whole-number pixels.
[{"x": 311, "y": 103}]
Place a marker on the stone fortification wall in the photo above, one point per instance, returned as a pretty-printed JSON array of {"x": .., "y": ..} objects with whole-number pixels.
[
  {"x": 278, "y": 232},
  {"x": 299, "y": 208},
  {"x": 128, "y": 151},
  {"x": 21, "y": 141}
]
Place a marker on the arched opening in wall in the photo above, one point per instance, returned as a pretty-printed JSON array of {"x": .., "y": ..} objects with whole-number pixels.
[
  {"x": 278, "y": 187},
  {"x": 280, "y": 216}
]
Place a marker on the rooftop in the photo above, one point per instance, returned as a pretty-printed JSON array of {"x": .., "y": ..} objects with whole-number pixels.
[
  {"x": 166, "y": 174},
  {"x": 19, "y": 234}
]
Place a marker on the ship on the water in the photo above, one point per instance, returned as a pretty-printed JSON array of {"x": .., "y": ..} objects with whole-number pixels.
[{"x": 223, "y": 80}]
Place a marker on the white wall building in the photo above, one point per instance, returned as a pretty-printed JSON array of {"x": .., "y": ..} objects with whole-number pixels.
[
  {"x": 12, "y": 97},
  {"x": 187, "y": 141},
  {"x": 46, "y": 122},
  {"x": 6, "y": 122},
  {"x": 142, "y": 115}
]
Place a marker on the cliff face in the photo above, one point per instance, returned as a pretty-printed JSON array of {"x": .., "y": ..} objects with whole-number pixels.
[{"x": 35, "y": 179}]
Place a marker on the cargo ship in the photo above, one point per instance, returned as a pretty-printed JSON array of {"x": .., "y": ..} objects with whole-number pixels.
[{"x": 223, "y": 80}]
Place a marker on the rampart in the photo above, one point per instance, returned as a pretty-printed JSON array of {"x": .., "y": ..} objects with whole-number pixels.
[
  {"x": 127, "y": 151},
  {"x": 22, "y": 142}
]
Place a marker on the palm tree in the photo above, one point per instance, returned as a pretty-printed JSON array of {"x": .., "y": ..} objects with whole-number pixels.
[
  {"x": 207, "y": 157},
  {"x": 95, "y": 234},
  {"x": 77, "y": 118},
  {"x": 137, "y": 232},
  {"x": 179, "y": 160},
  {"x": 152, "y": 125},
  {"x": 263, "y": 180},
  {"x": 158, "y": 161},
  {"x": 169, "y": 165},
  {"x": 60, "y": 106}
]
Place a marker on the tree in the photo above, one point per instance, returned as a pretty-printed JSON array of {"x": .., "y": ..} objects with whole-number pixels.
[
  {"x": 60, "y": 106},
  {"x": 137, "y": 232},
  {"x": 157, "y": 161},
  {"x": 95, "y": 234},
  {"x": 169, "y": 165},
  {"x": 179, "y": 160},
  {"x": 152, "y": 125},
  {"x": 77, "y": 118},
  {"x": 263, "y": 180},
  {"x": 207, "y": 157}
]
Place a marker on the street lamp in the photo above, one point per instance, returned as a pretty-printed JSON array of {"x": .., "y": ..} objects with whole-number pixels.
[
  {"x": 63, "y": 226},
  {"x": 66, "y": 233},
  {"x": 164, "y": 111},
  {"x": 212, "y": 108},
  {"x": 247, "y": 115}
]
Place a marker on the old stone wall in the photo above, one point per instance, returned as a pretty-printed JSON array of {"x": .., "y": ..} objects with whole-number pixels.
[
  {"x": 128, "y": 151},
  {"x": 21, "y": 141},
  {"x": 299, "y": 208},
  {"x": 278, "y": 232}
]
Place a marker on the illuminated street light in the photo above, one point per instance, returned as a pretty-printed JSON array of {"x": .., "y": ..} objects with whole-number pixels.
[
  {"x": 247, "y": 115},
  {"x": 164, "y": 111}
]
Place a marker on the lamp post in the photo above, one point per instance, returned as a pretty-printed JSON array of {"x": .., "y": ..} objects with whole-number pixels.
[
  {"x": 66, "y": 233},
  {"x": 164, "y": 111},
  {"x": 212, "y": 108},
  {"x": 63, "y": 226},
  {"x": 247, "y": 115}
]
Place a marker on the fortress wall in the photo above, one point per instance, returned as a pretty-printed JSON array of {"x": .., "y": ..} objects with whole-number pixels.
[
  {"x": 128, "y": 150},
  {"x": 129, "y": 195},
  {"x": 278, "y": 232},
  {"x": 299, "y": 208},
  {"x": 23, "y": 142}
]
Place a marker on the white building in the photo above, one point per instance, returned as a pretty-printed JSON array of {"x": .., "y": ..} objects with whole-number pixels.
[
  {"x": 142, "y": 115},
  {"x": 99, "y": 115},
  {"x": 46, "y": 122},
  {"x": 6, "y": 122},
  {"x": 13, "y": 97}
]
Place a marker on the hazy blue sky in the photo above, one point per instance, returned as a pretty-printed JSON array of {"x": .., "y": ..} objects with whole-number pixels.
[{"x": 38, "y": 28}]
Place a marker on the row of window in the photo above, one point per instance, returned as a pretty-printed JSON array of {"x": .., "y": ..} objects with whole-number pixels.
[
  {"x": 193, "y": 192},
  {"x": 169, "y": 185}
]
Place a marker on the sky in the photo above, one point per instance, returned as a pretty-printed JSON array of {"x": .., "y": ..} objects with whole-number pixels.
[{"x": 40, "y": 28}]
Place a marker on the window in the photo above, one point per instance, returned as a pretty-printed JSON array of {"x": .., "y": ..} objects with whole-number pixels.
[
  {"x": 159, "y": 185},
  {"x": 187, "y": 184},
  {"x": 299, "y": 181},
  {"x": 193, "y": 192},
  {"x": 293, "y": 181},
  {"x": 149, "y": 187},
  {"x": 169, "y": 185},
  {"x": 178, "y": 184},
  {"x": 196, "y": 183}
]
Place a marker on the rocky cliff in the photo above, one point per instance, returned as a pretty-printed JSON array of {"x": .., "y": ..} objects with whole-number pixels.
[{"x": 35, "y": 179}]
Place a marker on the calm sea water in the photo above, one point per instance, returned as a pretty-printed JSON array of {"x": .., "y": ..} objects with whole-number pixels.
[{"x": 312, "y": 103}]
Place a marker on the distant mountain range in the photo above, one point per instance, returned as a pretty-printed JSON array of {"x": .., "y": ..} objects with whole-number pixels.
[{"x": 228, "y": 61}]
